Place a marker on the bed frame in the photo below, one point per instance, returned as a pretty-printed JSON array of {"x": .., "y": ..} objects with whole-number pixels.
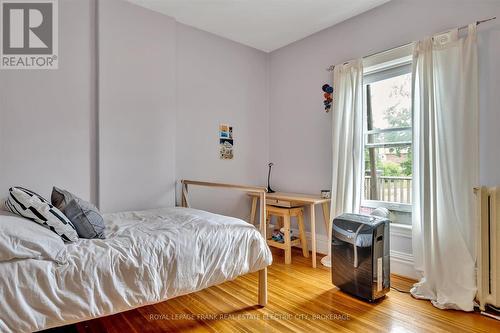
[{"x": 262, "y": 299}]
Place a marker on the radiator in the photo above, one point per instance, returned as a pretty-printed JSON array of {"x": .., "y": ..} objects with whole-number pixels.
[{"x": 488, "y": 246}]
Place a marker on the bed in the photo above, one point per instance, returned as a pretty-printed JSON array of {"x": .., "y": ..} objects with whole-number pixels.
[{"x": 148, "y": 257}]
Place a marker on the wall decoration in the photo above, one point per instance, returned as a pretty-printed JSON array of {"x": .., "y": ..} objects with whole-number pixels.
[
  {"x": 223, "y": 131},
  {"x": 327, "y": 95},
  {"x": 226, "y": 142}
]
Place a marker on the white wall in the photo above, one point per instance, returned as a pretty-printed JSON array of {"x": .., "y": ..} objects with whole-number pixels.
[
  {"x": 49, "y": 119},
  {"x": 136, "y": 107},
  {"x": 300, "y": 131},
  {"x": 46, "y": 115},
  {"x": 220, "y": 81}
]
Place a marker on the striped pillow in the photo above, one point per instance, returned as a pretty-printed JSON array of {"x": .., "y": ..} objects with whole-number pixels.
[{"x": 32, "y": 206}]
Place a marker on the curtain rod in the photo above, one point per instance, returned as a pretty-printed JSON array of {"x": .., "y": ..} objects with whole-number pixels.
[{"x": 330, "y": 69}]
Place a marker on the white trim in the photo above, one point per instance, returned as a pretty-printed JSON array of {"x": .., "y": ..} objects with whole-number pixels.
[
  {"x": 321, "y": 241},
  {"x": 377, "y": 67},
  {"x": 401, "y": 256},
  {"x": 399, "y": 207},
  {"x": 402, "y": 264},
  {"x": 387, "y": 70},
  {"x": 388, "y": 58},
  {"x": 401, "y": 230}
]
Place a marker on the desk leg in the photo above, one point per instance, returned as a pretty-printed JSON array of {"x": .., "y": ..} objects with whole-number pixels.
[
  {"x": 328, "y": 226},
  {"x": 313, "y": 234},
  {"x": 302, "y": 234},
  {"x": 262, "y": 272},
  {"x": 254, "y": 210},
  {"x": 288, "y": 246},
  {"x": 326, "y": 217}
]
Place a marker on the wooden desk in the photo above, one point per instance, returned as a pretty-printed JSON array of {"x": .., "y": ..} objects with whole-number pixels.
[{"x": 290, "y": 200}]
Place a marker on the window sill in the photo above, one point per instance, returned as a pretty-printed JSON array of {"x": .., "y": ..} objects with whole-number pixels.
[{"x": 398, "y": 207}]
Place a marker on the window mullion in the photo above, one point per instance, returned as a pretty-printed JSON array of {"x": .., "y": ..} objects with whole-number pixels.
[
  {"x": 387, "y": 130},
  {"x": 388, "y": 145}
]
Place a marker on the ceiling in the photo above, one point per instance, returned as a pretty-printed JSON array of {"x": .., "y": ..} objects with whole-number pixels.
[{"x": 263, "y": 24}]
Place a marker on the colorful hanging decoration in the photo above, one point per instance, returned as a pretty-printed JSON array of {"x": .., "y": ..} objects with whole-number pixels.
[{"x": 328, "y": 91}]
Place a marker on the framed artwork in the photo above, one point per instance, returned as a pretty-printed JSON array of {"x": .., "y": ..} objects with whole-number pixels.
[{"x": 226, "y": 142}]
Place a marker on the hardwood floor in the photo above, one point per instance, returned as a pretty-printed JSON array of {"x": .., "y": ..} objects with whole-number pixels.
[{"x": 301, "y": 299}]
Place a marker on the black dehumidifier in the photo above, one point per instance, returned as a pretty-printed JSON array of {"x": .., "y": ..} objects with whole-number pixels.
[{"x": 360, "y": 255}]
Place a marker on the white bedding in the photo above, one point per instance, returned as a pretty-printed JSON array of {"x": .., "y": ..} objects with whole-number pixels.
[{"x": 147, "y": 257}]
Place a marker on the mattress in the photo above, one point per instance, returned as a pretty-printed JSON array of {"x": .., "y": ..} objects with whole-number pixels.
[{"x": 147, "y": 257}]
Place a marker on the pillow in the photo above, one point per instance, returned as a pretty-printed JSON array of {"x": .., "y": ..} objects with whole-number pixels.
[
  {"x": 32, "y": 206},
  {"x": 85, "y": 216},
  {"x": 23, "y": 239}
]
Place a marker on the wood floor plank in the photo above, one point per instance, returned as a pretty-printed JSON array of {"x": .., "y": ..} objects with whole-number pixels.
[{"x": 301, "y": 299}]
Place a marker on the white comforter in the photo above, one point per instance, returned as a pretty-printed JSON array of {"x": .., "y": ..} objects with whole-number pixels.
[{"x": 148, "y": 257}]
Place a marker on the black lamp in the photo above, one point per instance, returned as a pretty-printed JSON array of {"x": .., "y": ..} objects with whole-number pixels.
[{"x": 269, "y": 189}]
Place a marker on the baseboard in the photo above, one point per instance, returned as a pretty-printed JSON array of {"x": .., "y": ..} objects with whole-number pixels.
[
  {"x": 402, "y": 264},
  {"x": 321, "y": 241}
]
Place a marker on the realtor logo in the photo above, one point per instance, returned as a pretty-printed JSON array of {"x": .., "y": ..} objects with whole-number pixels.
[{"x": 29, "y": 33}]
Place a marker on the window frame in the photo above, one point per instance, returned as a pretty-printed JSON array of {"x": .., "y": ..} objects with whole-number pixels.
[{"x": 372, "y": 74}]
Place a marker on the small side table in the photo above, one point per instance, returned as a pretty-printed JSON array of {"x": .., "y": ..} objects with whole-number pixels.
[
  {"x": 291, "y": 200},
  {"x": 286, "y": 214}
]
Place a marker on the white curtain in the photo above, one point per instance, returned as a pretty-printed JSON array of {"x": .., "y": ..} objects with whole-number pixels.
[
  {"x": 347, "y": 138},
  {"x": 445, "y": 97}
]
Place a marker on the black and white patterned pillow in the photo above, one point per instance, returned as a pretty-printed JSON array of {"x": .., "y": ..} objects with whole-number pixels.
[{"x": 32, "y": 206}]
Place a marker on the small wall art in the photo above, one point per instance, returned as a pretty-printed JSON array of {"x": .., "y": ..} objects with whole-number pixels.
[
  {"x": 327, "y": 95},
  {"x": 226, "y": 142}
]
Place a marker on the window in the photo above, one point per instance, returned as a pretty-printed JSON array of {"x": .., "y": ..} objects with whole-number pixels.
[{"x": 387, "y": 134}]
